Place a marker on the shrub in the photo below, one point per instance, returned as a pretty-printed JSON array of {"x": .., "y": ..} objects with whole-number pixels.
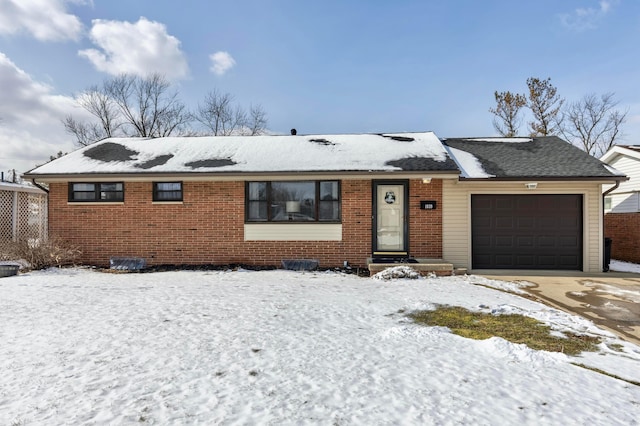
[{"x": 35, "y": 254}]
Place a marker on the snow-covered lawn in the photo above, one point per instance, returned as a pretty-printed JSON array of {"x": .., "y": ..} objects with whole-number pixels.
[{"x": 279, "y": 347}]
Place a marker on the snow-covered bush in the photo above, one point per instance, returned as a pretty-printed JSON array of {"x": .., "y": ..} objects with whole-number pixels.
[{"x": 397, "y": 272}]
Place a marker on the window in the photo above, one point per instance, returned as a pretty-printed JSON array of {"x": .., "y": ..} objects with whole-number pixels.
[
  {"x": 97, "y": 192},
  {"x": 299, "y": 201},
  {"x": 607, "y": 203},
  {"x": 167, "y": 191}
]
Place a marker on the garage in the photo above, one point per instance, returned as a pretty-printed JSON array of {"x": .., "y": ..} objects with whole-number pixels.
[{"x": 527, "y": 231}]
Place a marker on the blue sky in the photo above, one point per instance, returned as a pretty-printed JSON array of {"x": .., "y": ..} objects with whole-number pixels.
[{"x": 331, "y": 66}]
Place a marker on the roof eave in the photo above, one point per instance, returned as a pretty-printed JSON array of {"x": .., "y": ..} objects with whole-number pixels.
[
  {"x": 548, "y": 178},
  {"x": 229, "y": 176}
]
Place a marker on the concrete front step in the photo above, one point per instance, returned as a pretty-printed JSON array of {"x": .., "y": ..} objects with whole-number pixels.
[{"x": 423, "y": 266}]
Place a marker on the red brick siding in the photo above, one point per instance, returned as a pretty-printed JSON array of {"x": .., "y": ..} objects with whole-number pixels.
[
  {"x": 624, "y": 230},
  {"x": 208, "y": 227},
  {"x": 425, "y": 226}
]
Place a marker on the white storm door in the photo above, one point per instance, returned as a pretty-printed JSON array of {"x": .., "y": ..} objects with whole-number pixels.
[{"x": 390, "y": 225}]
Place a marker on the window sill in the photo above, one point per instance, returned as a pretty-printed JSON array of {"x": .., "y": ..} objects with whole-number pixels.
[
  {"x": 167, "y": 202},
  {"x": 95, "y": 203}
]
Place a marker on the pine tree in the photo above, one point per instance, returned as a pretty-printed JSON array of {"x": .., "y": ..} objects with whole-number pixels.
[
  {"x": 508, "y": 106},
  {"x": 545, "y": 105}
]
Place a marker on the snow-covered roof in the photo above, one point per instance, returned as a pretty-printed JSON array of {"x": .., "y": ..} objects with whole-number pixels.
[
  {"x": 262, "y": 154},
  {"x": 20, "y": 187}
]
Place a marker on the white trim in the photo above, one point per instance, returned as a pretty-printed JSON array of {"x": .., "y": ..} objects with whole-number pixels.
[
  {"x": 293, "y": 232},
  {"x": 619, "y": 150}
]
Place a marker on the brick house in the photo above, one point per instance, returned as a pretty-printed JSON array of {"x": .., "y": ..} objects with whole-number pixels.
[
  {"x": 622, "y": 204},
  {"x": 477, "y": 203}
]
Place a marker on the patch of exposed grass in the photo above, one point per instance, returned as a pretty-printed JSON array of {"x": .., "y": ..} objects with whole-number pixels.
[
  {"x": 514, "y": 328},
  {"x": 597, "y": 370}
]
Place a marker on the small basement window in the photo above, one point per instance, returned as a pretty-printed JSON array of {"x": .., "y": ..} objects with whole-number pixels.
[
  {"x": 96, "y": 192},
  {"x": 167, "y": 191},
  {"x": 293, "y": 201}
]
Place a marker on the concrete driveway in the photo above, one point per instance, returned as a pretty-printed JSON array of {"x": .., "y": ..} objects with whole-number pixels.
[{"x": 611, "y": 300}]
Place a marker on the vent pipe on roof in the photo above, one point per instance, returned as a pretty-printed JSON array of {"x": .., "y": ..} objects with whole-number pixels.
[{"x": 294, "y": 132}]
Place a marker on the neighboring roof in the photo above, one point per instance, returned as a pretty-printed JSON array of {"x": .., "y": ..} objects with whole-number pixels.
[
  {"x": 517, "y": 158},
  {"x": 632, "y": 151},
  {"x": 20, "y": 187},
  {"x": 413, "y": 152}
]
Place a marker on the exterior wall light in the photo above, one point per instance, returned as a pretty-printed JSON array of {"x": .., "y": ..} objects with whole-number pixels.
[{"x": 426, "y": 180}]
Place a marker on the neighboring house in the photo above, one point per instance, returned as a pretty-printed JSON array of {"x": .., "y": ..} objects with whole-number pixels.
[
  {"x": 477, "y": 203},
  {"x": 622, "y": 203}
]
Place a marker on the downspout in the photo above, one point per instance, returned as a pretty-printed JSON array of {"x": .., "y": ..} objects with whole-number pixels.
[
  {"x": 604, "y": 194},
  {"x": 608, "y": 191},
  {"x": 33, "y": 181}
]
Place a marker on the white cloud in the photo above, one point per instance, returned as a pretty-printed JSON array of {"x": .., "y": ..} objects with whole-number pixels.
[
  {"x": 138, "y": 48},
  {"x": 221, "y": 62},
  {"x": 46, "y": 20},
  {"x": 30, "y": 119},
  {"x": 583, "y": 19}
]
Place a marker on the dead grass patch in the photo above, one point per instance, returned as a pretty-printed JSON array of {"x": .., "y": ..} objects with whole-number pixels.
[{"x": 514, "y": 328}]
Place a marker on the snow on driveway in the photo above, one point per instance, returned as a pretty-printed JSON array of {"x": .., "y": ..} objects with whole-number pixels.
[{"x": 279, "y": 347}]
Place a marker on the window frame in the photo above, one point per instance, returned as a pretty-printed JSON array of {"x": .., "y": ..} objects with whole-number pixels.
[
  {"x": 167, "y": 200},
  {"x": 97, "y": 192},
  {"x": 269, "y": 201}
]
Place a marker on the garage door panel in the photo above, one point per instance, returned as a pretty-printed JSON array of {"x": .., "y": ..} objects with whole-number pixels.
[
  {"x": 547, "y": 223},
  {"x": 503, "y": 222},
  {"x": 504, "y": 204},
  {"x": 525, "y": 241},
  {"x": 527, "y": 261},
  {"x": 526, "y": 231},
  {"x": 547, "y": 261},
  {"x": 525, "y": 203},
  {"x": 570, "y": 223},
  {"x": 568, "y": 241},
  {"x": 504, "y": 241},
  {"x": 546, "y": 241},
  {"x": 502, "y": 260},
  {"x": 568, "y": 261},
  {"x": 528, "y": 222}
]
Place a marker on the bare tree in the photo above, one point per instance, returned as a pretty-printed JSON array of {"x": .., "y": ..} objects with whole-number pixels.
[
  {"x": 508, "y": 105},
  {"x": 129, "y": 105},
  {"x": 221, "y": 117},
  {"x": 257, "y": 124},
  {"x": 146, "y": 105},
  {"x": 545, "y": 105},
  {"x": 593, "y": 123}
]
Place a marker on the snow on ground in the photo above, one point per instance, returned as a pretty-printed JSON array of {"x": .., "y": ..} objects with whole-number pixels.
[
  {"x": 281, "y": 347},
  {"x": 620, "y": 266}
]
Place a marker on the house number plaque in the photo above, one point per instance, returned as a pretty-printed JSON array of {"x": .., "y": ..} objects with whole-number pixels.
[{"x": 427, "y": 205}]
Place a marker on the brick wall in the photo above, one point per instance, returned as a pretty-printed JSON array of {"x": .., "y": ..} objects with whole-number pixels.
[
  {"x": 624, "y": 230},
  {"x": 425, "y": 226},
  {"x": 208, "y": 227}
]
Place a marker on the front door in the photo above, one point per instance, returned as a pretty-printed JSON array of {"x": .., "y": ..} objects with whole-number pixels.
[{"x": 390, "y": 218}]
